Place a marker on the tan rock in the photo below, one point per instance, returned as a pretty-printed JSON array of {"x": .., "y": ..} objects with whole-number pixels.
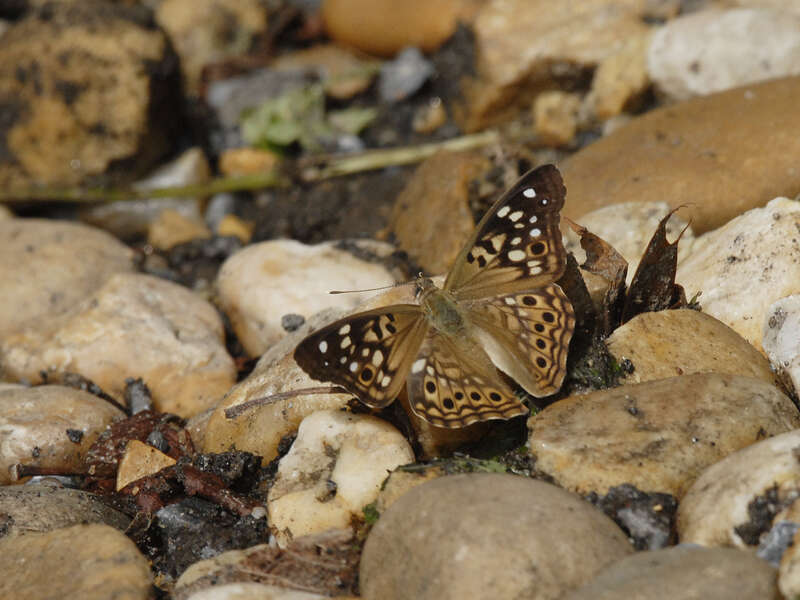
[
  {"x": 555, "y": 117},
  {"x": 91, "y": 562},
  {"x": 61, "y": 70},
  {"x": 620, "y": 79},
  {"x": 681, "y": 342},
  {"x": 509, "y": 538},
  {"x": 247, "y": 161},
  {"x": 658, "y": 435},
  {"x": 233, "y": 225},
  {"x": 524, "y": 47},
  {"x": 789, "y": 570},
  {"x": 718, "y": 502},
  {"x": 688, "y": 154},
  {"x": 209, "y": 31},
  {"x": 384, "y": 27},
  {"x": 5, "y": 213},
  {"x": 745, "y": 266},
  {"x": 431, "y": 216},
  {"x": 133, "y": 326},
  {"x": 172, "y": 228},
  {"x": 71, "y": 262},
  {"x": 399, "y": 482},
  {"x": 140, "y": 460},
  {"x": 50, "y": 427}
]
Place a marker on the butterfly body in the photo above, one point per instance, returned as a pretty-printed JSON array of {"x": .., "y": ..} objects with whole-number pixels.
[{"x": 499, "y": 311}]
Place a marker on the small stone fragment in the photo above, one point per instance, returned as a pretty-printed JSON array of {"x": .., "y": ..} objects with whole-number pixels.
[
  {"x": 140, "y": 460},
  {"x": 555, "y": 117},
  {"x": 247, "y": 161},
  {"x": 620, "y": 79},
  {"x": 172, "y": 228},
  {"x": 403, "y": 76}
]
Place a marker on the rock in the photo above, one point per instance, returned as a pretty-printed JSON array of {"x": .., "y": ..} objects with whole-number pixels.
[
  {"x": 403, "y": 76},
  {"x": 39, "y": 508},
  {"x": 659, "y": 435},
  {"x": 781, "y": 340},
  {"x": 247, "y": 161},
  {"x": 334, "y": 469},
  {"x": 263, "y": 282},
  {"x": 128, "y": 219},
  {"x": 344, "y": 73},
  {"x": 681, "y": 342},
  {"x": 688, "y": 154},
  {"x": 629, "y": 227},
  {"x": 620, "y": 79},
  {"x": 718, "y": 509},
  {"x": 776, "y": 5},
  {"x": 141, "y": 326},
  {"x": 208, "y": 31},
  {"x": 524, "y": 47},
  {"x": 91, "y": 562},
  {"x": 683, "y": 573},
  {"x": 140, "y": 460},
  {"x": 50, "y": 427},
  {"x": 486, "y": 536},
  {"x": 745, "y": 266},
  {"x": 172, "y": 228},
  {"x": 400, "y": 482},
  {"x": 71, "y": 262},
  {"x": 58, "y": 66},
  {"x": 789, "y": 570},
  {"x": 715, "y": 50},
  {"x": 431, "y": 218},
  {"x": 252, "y": 591},
  {"x": 384, "y": 27},
  {"x": 555, "y": 117},
  {"x": 5, "y": 213},
  {"x": 231, "y": 225},
  {"x": 429, "y": 117}
]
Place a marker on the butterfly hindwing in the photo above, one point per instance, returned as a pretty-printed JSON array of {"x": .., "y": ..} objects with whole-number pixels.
[
  {"x": 517, "y": 245},
  {"x": 527, "y": 335},
  {"x": 369, "y": 354},
  {"x": 453, "y": 383}
]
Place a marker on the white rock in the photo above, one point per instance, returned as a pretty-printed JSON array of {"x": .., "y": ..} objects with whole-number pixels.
[
  {"x": 628, "y": 227},
  {"x": 263, "y": 282},
  {"x": 252, "y": 591},
  {"x": 715, "y": 50},
  {"x": 717, "y": 501},
  {"x": 334, "y": 468},
  {"x": 746, "y": 265},
  {"x": 134, "y": 326},
  {"x": 781, "y": 339}
]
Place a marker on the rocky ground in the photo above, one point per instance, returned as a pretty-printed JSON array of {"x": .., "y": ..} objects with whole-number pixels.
[{"x": 182, "y": 182}]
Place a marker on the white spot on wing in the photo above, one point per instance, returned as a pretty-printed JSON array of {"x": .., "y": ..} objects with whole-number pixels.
[
  {"x": 516, "y": 241},
  {"x": 503, "y": 211},
  {"x": 536, "y": 232},
  {"x": 323, "y": 346},
  {"x": 510, "y": 301},
  {"x": 377, "y": 358},
  {"x": 533, "y": 219},
  {"x": 516, "y": 255},
  {"x": 418, "y": 365},
  {"x": 429, "y": 370},
  {"x": 516, "y": 215},
  {"x": 345, "y": 342},
  {"x": 343, "y": 360},
  {"x": 353, "y": 367},
  {"x": 344, "y": 329},
  {"x": 385, "y": 381},
  {"x": 529, "y": 193}
]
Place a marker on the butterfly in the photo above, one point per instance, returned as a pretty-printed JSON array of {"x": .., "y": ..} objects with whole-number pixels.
[{"x": 498, "y": 310}]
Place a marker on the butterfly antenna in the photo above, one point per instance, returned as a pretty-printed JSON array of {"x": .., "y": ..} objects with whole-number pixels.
[
  {"x": 386, "y": 287},
  {"x": 239, "y": 409}
]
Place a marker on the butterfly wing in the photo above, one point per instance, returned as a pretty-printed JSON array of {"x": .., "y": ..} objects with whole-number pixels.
[
  {"x": 369, "y": 354},
  {"x": 453, "y": 383},
  {"x": 526, "y": 335},
  {"x": 517, "y": 245}
]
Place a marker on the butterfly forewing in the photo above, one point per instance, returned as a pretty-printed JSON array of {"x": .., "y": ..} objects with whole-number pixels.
[
  {"x": 369, "y": 354},
  {"x": 527, "y": 335},
  {"x": 453, "y": 383},
  {"x": 517, "y": 245}
]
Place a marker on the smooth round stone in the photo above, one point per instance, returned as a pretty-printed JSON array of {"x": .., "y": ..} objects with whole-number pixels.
[
  {"x": 252, "y": 591},
  {"x": 263, "y": 282},
  {"x": 39, "y": 508},
  {"x": 133, "y": 326},
  {"x": 335, "y": 467},
  {"x": 91, "y": 562},
  {"x": 487, "y": 536},
  {"x": 689, "y": 154},
  {"x": 50, "y": 426},
  {"x": 684, "y": 573},
  {"x": 745, "y": 266},
  {"x": 717, "y": 503},
  {"x": 71, "y": 261},
  {"x": 715, "y": 50},
  {"x": 658, "y": 435},
  {"x": 681, "y": 342}
]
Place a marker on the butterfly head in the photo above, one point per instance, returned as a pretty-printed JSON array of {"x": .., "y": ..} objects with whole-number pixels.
[{"x": 422, "y": 287}]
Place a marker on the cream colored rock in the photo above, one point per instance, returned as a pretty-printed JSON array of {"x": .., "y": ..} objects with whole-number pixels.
[
  {"x": 134, "y": 326},
  {"x": 556, "y": 116},
  {"x": 629, "y": 227},
  {"x": 715, "y": 50},
  {"x": 5, "y": 213},
  {"x": 91, "y": 562},
  {"x": 71, "y": 262},
  {"x": 658, "y": 435},
  {"x": 781, "y": 341},
  {"x": 789, "y": 569},
  {"x": 263, "y": 282},
  {"x": 400, "y": 482},
  {"x": 620, "y": 79},
  {"x": 681, "y": 342},
  {"x": 172, "y": 228},
  {"x": 717, "y": 502},
  {"x": 252, "y": 591},
  {"x": 39, "y": 508},
  {"x": 334, "y": 468},
  {"x": 745, "y": 266},
  {"x": 51, "y": 427},
  {"x": 486, "y": 536},
  {"x": 140, "y": 460}
]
